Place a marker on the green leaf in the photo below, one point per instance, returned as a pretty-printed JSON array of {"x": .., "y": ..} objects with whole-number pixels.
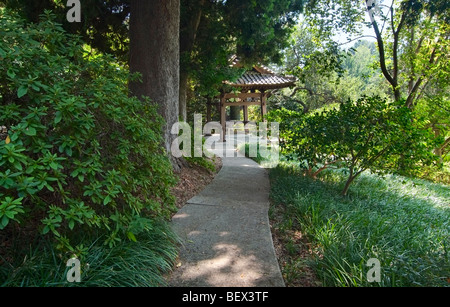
[
  {"x": 14, "y": 137},
  {"x": 11, "y": 73},
  {"x": 107, "y": 200},
  {"x": 30, "y": 169},
  {"x": 18, "y": 166},
  {"x": 131, "y": 236},
  {"x": 71, "y": 224},
  {"x": 23, "y": 90},
  {"x": 4, "y": 222},
  {"x": 75, "y": 173},
  {"x": 30, "y": 131},
  {"x": 10, "y": 214},
  {"x": 54, "y": 165},
  {"x": 45, "y": 230},
  {"x": 36, "y": 88},
  {"x": 58, "y": 117}
]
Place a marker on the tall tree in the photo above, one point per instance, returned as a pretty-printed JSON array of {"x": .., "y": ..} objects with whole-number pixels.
[
  {"x": 413, "y": 40},
  {"x": 191, "y": 15},
  {"x": 212, "y": 31},
  {"x": 154, "y": 52},
  {"x": 317, "y": 67},
  {"x": 393, "y": 24}
]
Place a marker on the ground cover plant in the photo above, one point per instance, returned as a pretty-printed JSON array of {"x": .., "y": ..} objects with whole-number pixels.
[
  {"x": 127, "y": 264},
  {"x": 403, "y": 222}
]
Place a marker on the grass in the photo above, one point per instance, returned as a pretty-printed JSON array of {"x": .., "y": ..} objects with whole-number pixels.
[
  {"x": 403, "y": 222},
  {"x": 129, "y": 264}
]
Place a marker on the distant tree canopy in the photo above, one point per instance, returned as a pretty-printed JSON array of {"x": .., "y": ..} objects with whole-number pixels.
[
  {"x": 413, "y": 46},
  {"x": 412, "y": 38}
]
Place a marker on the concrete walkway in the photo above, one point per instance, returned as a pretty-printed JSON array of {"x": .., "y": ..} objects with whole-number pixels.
[{"x": 225, "y": 231}]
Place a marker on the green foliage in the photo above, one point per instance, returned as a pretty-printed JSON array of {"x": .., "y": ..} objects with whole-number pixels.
[
  {"x": 369, "y": 134},
  {"x": 402, "y": 222},
  {"x": 202, "y": 162},
  {"x": 83, "y": 155},
  {"x": 193, "y": 158},
  {"x": 104, "y": 23},
  {"x": 128, "y": 264},
  {"x": 326, "y": 73},
  {"x": 412, "y": 39},
  {"x": 316, "y": 65},
  {"x": 261, "y": 27}
]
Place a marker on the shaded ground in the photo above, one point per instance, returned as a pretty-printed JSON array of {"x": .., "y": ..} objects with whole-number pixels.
[
  {"x": 225, "y": 231},
  {"x": 294, "y": 252},
  {"x": 192, "y": 180}
]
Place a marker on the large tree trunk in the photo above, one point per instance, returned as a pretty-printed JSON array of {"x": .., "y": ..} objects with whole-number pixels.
[
  {"x": 184, "y": 83},
  {"x": 191, "y": 21},
  {"x": 155, "y": 53}
]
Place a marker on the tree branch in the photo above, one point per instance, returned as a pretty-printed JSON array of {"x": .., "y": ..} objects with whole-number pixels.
[
  {"x": 446, "y": 143},
  {"x": 381, "y": 51},
  {"x": 413, "y": 93},
  {"x": 395, "y": 52},
  {"x": 324, "y": 167}
]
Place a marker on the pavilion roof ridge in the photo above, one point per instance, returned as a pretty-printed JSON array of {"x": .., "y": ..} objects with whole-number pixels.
[{"x": 260, "y": 77}]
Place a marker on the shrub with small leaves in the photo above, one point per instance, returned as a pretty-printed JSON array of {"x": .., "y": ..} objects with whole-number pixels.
[
  {"x": 80, "y": 155},
  {"x": 368, "y": 134}
]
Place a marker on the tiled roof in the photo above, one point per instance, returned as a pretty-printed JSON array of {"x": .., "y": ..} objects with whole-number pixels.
[
  {"x": 255, "y": 79},
  {"x": 260, "y": 77}
]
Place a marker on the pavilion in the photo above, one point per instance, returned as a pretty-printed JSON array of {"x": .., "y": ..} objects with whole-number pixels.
[{"x": 252, "y": 88}]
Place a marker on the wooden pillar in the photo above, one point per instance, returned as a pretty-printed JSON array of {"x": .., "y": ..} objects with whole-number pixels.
[
  {"x": 245, "y": 114},
  {"x": 223, "y": 119},
  {"x": 263, "y": 105}
]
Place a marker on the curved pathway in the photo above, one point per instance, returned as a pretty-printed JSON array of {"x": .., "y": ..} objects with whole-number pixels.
[{"x": 225, "y": 232}]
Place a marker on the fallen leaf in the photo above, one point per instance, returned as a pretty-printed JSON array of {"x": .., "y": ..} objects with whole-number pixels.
[{"x": 8, "y": 140}]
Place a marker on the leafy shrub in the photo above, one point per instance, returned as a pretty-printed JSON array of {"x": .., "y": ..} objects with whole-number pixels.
[
  {"x": 369, "y": 134},
  {"x": 80, "y": 155}
]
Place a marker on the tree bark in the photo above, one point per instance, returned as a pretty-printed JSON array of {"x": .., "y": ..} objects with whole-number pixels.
[
  {"x": 188, "y": 30},
  {"x": 347, "y": 185},
  {"x": 184, "y": 82},
  {"x": 155, "y": 53},
  {"x": 392, "y": 80}
]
